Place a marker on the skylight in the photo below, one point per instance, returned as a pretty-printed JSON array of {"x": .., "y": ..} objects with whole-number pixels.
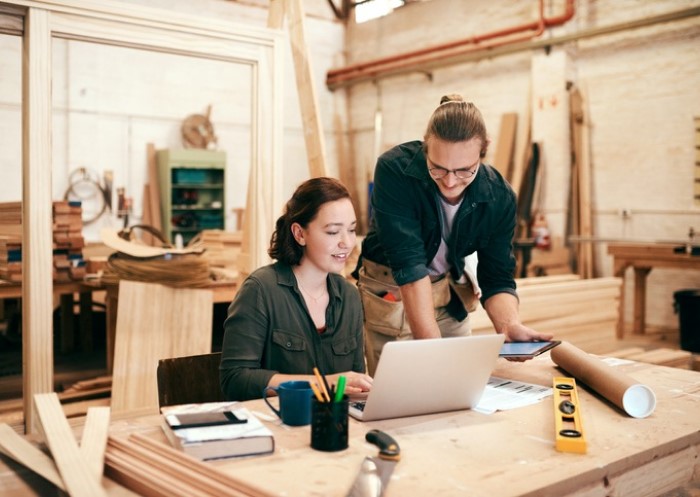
[{"x": 372, "y": 9}]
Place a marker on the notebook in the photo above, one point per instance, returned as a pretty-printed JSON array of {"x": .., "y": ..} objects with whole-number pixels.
[{"x": 427, "y": 376}]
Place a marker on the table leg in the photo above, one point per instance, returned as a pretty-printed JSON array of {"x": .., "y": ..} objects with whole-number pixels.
[
  {"x": 111, "y": 325},
  {"x": 67, "y": 323},
  {"x": 640, "y": 299},
  {"x": 621, "y": 311},
  {"x": 86, "y": 321},
  {"x": 619, "y": 269}
]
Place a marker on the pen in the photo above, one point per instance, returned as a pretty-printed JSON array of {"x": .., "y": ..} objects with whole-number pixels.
[
  {"x": 322, "y": 384},
  {"x": 340, "y": 390},
  {"x": 317, "y": 392}
]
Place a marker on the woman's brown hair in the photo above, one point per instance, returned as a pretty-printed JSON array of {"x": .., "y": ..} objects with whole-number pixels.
[{"x": 302, "y": 208}]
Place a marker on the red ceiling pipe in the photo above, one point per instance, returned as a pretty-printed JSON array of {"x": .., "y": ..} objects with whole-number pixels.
[
  {"x": 554, "y": 21},
  {"x": 402, "y": 64},
  {"x": 349, "y": 72}
]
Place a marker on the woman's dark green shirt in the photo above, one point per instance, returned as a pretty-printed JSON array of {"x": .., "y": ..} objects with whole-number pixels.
[{"x": 269, "y": 330}]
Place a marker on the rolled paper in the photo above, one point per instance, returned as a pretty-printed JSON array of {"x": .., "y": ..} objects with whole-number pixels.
[{"x": 625, "y": 392}]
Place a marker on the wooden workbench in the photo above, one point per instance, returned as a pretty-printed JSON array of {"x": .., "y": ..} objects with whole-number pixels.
[
  {"x": 508, "y": 454},
  {"x": 63, "y": 292},
  {"x": 643, "y": 257}
]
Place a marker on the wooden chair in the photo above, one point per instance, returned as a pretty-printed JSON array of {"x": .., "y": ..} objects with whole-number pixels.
[{"x": 191, "y": 379}]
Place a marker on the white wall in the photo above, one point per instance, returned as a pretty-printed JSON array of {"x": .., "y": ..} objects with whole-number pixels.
[
  {"x": 109, "y": 102},
  {"x": 643, "y": 93}
]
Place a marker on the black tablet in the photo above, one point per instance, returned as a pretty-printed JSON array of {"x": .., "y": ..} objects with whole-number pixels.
[
  {"x": 200, "y": 419},
  {"x": 526, "y": 350}
]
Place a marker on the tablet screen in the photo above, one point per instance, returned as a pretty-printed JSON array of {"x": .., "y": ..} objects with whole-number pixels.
[{"x": 525, "y": 349}]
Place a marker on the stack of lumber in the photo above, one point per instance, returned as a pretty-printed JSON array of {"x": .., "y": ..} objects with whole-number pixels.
[
  {"x": 581, "y": 311},
  {"x": 222, "y": 248},
  {"x": 11, "y": 258},
  {"x": 661, "y": 356},
  {"x": 150, "y": 467},
  {"x": 88, "y": 388},
  {"x": 68, "y": 241}
]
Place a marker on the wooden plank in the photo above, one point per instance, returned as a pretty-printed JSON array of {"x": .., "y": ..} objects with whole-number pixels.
[
  {"x": 94, "y": 440},
  {"x": 522, "y": 148},
  {"x": 589, "y": 296},
  {"x": 21, "y": 450},
  {"x": 625, "y": 353},
  {"x": 306, "y": 89},
  {"x": 655, "y": 479},
  {"x": 275, "y": 16},
  {"x": 155, "y": 322},
  {"x": 506, "y": 143},
  {"x": 37, "y": 298},
  {"x": 153, "y": 188},
  {"x": 146, "y": 480},
  {"x": 542, "y": 280},
  {"x": 568, "y": 286},
  {"x": 581, "y": 142},
  {"x": 211, "y": 479},
  {"x": 664, "y": 357},
  {"x": 71, "y": 463}
]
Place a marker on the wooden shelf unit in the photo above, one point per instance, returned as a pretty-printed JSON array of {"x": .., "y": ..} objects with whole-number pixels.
[{"x": 192, "y": 185}]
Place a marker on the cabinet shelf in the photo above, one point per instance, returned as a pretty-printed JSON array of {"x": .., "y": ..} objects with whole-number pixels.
[
  {"x": 195, "y": 208},
  {"x": 200, "y": 186},
  {"x": 191, "y": 181}
]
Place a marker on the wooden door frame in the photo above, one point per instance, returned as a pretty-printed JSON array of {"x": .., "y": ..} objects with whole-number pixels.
[{"x": 131, "y": 26}]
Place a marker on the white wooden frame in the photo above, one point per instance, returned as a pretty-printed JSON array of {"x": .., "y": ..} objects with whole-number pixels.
[{"x": 133, "y": 26}]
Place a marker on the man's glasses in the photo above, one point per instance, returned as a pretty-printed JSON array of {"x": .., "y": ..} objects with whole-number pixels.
[{"x": 438, "y": 172}]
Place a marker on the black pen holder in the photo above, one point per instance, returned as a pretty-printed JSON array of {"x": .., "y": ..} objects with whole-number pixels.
[{"x": 329, "y": 425}]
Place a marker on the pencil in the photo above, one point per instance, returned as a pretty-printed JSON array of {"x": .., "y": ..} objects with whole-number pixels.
[
  {"x": 322, "y": 384},
  {"x": 317, "y": 392}
]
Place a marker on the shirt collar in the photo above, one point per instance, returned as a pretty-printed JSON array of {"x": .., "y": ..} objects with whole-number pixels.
[{"x": 285, "y": 277}]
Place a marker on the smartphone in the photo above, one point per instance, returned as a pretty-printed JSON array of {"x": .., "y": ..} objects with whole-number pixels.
[
  {"x": 526, "y": 350},
  {"x": 199, "y": 419}
]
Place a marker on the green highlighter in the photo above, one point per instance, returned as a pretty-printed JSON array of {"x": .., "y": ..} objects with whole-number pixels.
[{"x": 340, "y": 389}]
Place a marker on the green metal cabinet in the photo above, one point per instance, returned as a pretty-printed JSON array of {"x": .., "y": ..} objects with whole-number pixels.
[{"x": 192, "y": 191}]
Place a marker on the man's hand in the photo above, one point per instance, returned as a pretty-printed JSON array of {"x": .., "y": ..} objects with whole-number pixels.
[{"x": 521, "y": 333}]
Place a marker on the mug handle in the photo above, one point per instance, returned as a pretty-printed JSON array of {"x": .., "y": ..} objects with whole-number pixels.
[{"x": 279, "y": 414}]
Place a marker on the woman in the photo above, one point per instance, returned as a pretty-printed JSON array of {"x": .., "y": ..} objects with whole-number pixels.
[{"x": 298, "y": 313}]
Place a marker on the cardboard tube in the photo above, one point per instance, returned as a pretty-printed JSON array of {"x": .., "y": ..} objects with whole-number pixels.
[{"x": 635, "y": 399}]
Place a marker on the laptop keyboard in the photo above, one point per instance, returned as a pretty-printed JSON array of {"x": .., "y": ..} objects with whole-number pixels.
[{"x": 359, "y": 405}]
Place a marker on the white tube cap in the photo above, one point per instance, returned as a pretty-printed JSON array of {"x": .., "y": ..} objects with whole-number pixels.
[{"x": 639, "y": 401}]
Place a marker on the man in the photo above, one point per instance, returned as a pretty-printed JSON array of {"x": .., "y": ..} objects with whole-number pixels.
[{"x": 434, "y": 203}]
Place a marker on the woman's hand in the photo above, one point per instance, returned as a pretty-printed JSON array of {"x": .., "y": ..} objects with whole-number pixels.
[{"x": 354, "y": 382}]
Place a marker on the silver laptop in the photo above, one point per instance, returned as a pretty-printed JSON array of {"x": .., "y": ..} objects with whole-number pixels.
[{"x": 427, "y": 376}]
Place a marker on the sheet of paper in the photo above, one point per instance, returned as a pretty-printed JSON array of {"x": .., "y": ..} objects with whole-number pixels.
[{"x": 502, "y": 394}]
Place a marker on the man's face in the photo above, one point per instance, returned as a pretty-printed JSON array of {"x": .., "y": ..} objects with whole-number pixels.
[{"x": 453, "y": 165}]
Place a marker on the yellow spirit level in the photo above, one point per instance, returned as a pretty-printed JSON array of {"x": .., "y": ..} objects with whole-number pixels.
[{"x": 567, "y": 416}]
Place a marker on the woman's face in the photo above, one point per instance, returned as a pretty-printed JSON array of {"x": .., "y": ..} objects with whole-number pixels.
[
  {"x": 329, "y": 239},
  {"x": 453, "y": 165}
]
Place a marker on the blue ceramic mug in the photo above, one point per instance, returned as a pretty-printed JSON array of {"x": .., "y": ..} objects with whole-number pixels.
[{"x": 294, "y": 402}]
